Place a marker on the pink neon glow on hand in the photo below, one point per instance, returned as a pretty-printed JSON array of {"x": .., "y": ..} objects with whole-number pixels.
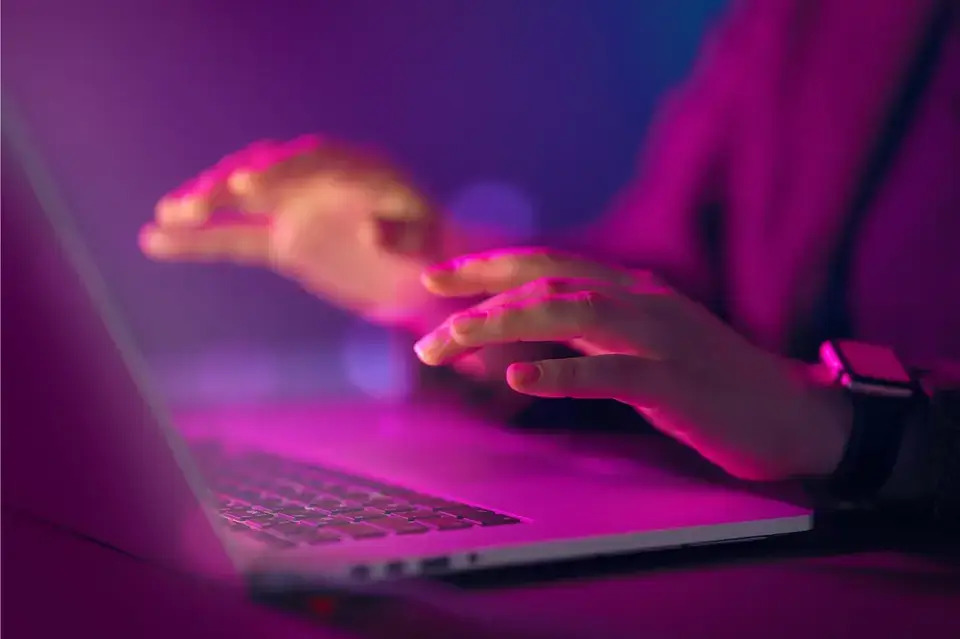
[{"x": 691, "y": 375}]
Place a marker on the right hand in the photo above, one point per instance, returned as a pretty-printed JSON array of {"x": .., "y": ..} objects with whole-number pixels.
[{"x": 345, "y": 225}]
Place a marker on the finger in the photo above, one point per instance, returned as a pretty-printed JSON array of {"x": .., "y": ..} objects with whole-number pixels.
[
  {"x": 498, "y": 271},
  {"x": 244, "y": 181},
  {"x": 241, "y": 244},
  {"x": 192, "y": 203},
  {"x": 440, "y": 346},
  {"x": 633, "y": 380},
  {"x": 607, "y": 323}
]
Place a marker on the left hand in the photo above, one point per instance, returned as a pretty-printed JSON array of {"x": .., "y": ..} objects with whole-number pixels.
[{"x": 751, "y": 412}]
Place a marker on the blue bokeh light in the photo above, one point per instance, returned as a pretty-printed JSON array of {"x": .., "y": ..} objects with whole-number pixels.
[
  {"x": 505, "y": 207},
  {"x": 377, "y": 362}
]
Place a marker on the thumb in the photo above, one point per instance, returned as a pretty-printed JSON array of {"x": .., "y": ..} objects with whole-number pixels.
[{"x": 627, "y": 378}]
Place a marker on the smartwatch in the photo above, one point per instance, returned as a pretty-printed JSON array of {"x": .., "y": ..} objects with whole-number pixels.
[{"x": 883, "y": 394}]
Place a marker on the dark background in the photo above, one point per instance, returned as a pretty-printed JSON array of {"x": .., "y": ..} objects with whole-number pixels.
[{"x": 526, "y": 113}]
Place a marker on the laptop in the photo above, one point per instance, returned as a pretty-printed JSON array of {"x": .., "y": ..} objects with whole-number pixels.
[{"x": 285, "y": 496}]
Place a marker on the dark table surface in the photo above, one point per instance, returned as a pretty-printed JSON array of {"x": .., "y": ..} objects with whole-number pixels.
[{"x": 57, "y": 584}]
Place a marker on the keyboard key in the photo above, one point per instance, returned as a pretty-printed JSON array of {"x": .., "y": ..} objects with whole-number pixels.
[
  {"x": 236, "y": 516},
  {"x": 448, "y": 523},
  {"x": 428, "y": 501},
  {"x": 421, "y": 513},
  {"x": 481, "y": 516},
  {"x": 365, "y": 514},
  {"x": 294, "y": 511},
  {"x": 400, "y": 508},
  {"x": 346, "y": 507},
  {"x": 400, "y": 526},
  {"x": 359, "y": 530},
  {"x": 380, "y": 501},
  {"x": 325, "y": 503},
  {"x": 262, "y": 518}
]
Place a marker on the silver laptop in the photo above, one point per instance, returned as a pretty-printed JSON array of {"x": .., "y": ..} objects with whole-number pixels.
[{"x": 288, "y": 495}]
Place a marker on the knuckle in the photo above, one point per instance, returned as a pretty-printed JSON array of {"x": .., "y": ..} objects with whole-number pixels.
[
  {"x": 534, "y": 262},
  {"x": 555, "y": 309},
  {"x": 549, "y": 286},
  {"x": 243, "y": 181},
  {"x": 588, "y": 308},
  {"x": 500, "y": 322},
  {"x": 542, "y": 262}
]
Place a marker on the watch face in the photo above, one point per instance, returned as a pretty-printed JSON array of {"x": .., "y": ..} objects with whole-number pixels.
[{"x": 869, "y": 362}]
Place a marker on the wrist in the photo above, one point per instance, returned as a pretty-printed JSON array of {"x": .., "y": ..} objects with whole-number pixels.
[{"x": 829, "y": 423}]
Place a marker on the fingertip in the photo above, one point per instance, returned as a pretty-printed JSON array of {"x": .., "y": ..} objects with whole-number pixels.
[
  {"x": 521, "y": 376},
  {"x": 435, "y": 282},
  {"x": 153, "y": 242},
  {"x": 143, "y": 237},
  {"x": 427, "y": 350}
]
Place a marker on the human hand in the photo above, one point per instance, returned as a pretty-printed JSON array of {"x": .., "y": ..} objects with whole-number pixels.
[
  {"x": 346, "y": 225},
  {"x": 752, "y": 413}
]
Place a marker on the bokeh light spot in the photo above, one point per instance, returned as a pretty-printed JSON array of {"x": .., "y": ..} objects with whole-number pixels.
[
  {"x": 377, "y": 362},
  {"x": 500, "y": 205}
]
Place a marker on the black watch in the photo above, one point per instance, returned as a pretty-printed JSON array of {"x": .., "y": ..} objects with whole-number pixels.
[{"x": 883, "y": 394}]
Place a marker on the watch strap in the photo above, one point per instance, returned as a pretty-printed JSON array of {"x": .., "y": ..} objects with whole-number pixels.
[{"x": 873, "y": 447}]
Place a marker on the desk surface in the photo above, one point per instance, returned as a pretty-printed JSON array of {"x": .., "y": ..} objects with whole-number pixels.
[{"x": 55, "y": 583}]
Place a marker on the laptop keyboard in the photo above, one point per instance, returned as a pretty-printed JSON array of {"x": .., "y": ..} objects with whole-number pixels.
[{"x": 286, "y": 503}]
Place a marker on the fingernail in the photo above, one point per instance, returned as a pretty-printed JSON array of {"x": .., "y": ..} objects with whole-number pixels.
[
  {"x": 430, "y": 347},
  {"x": 437, "y": 281},
  {"x": 524, "y": 374},
  {"x": 468, "y": 323}
]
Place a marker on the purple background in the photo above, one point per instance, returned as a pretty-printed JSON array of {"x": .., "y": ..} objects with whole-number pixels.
[{"x": 547, "y": 100}]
